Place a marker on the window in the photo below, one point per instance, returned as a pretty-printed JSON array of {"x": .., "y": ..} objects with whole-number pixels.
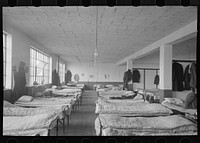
[
  {"x": 7, "y": 60},
  {"x": 40, "y": 67},
  {"x": 62, "y": 72}
]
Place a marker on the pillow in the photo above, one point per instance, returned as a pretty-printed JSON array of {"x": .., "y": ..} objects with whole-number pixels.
[
  {"x": 174, "y": 100},
  {"x": 25, "y": 98},
  {"x": 7, "y": 104}
]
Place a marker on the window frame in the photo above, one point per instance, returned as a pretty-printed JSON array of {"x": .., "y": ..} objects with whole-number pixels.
[
  {"x": 39, "y": 57},
  {"x": 7, "y": 60}
]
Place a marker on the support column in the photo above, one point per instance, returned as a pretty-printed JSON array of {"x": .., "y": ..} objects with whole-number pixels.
[
  {"x": 165, "y": 71},
  {"x": 129, "y": 65}
]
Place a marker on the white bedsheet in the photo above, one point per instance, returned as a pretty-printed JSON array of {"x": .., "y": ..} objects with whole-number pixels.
[
  {"x": 131, "y": 109},
  {"x": 163, "y": 125},
  {"x": 12, "y": 111},
  {"x": 41, "y": 132},
  {"x": 21, "y": 123}
]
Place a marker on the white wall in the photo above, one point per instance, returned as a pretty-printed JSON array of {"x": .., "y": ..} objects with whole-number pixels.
[
  {"x": 102, "y": 72},
  {"x": 21, "y": 44}
]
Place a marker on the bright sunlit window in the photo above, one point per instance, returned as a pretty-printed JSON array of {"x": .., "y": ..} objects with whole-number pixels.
[
  {"x": 7, "y": 60},
  {"x": 40, "y": 67}
]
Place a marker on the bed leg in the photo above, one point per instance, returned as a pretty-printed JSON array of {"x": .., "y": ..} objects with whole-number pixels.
[
  {"x": 48, "y": 132},
  {"x": 63, "y": 125},
  {"x": 57, "y": 129},
  {"x": 68, "y": 120}
]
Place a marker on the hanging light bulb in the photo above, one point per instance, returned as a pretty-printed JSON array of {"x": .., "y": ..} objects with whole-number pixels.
[{"x": 95, "y": 53}]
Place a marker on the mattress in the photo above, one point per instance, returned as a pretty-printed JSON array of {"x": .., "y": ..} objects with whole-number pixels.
[
  {"x": 41, "y": 132},
  {"x": 12, "y": 111},
  {"x": 179, "y": 108},
  {"x": 113, "y": 92},
  {"x": 73, "y": 87},
  {"x": 41, "y": 102},
  {"x": 21, "y": 123},
  {"x": 131, "y": 108},
  {"x": 112, "y": 125}
]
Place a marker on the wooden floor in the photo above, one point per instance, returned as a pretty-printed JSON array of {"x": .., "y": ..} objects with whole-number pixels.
[{"x": 82, "y": 120}]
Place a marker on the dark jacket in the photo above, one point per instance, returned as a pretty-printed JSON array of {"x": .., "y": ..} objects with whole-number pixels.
[
  {"x": 156, "y": 80},
  {"x": 135, "y": 75},
  {"x": 193, "y": 79},
  {"x": 177, "y": 77},
  {"x": 68, "y": 76},
  {"x": 129, "y": 75},
  {"x": 187, "y": 77}
]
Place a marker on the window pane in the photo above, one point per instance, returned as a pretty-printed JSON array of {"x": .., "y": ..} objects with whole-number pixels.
[
  {"x": 45, "y": 65},
  {"x": 45, "y": 73},
  {"x": 39, "y": 72},
  {"x": 34, "y": 53}
]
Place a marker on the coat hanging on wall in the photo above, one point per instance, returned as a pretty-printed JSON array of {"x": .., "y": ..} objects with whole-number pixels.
[
  {"x": 19, "y": 81},
  {"x": 187, "y": 76},
  {"x": 135, "y": 75},
  {"x": 177, "y": 77},
  {"x": 156, "y": 80},
  {"x": 68, "y": 76},
  {"x": 193, "y": 76}
]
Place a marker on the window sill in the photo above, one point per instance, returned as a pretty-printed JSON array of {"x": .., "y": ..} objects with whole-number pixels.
[{"x": 7, "y": 89}]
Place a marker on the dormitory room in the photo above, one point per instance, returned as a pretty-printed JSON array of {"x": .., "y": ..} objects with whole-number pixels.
[{"x": 99, "y": 71}]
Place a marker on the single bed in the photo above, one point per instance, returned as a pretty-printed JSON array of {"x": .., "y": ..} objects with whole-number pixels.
[
  {"x": 63, "y": 104},
  {"x": 13, "y": 110},
  {"x": 17, "y": 124},
  {"x": 112, "y": 125},
  {"x": 131, "y": 108}
]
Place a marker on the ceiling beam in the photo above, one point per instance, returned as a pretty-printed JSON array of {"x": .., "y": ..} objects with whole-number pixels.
[{"x": 183, "y": 33}]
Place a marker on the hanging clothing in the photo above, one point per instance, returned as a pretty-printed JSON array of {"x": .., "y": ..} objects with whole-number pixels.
[
  {"x": 129, "y": 75},
  {"x": 135, "y": 75},
  {"x": 22, "y": 77},
  {"x": 125, "y": 80},
  {"x": 187, "y": 77},
  {"x": 193, "y": 76},
  {"x": 68, "y": 76},
  {"x": 156, "y": 80},
  {"x": 177, "y": 77},
  {"x": 19, "y": 83}
]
